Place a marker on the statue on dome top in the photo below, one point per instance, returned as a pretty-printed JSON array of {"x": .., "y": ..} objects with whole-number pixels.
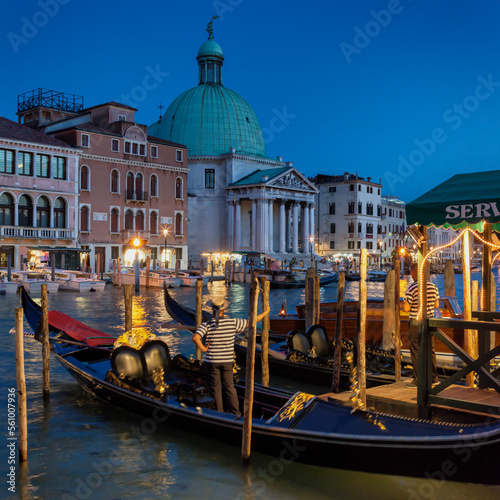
[{"x": 210, "y": 28}]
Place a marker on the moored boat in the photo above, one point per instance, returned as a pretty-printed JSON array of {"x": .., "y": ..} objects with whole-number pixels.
[
  {"x": 32, "y": 281},
  {"x": 312, "y": 429}
]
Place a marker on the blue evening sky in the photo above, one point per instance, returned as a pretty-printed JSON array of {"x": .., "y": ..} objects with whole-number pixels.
[{"x": 403, "y": 91}]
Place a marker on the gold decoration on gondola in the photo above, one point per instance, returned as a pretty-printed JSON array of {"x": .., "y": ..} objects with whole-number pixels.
[
  {"x": 158, "y": 378},
  {"x": 295, "y": 406},
  {"x": 135, "y": 338}
]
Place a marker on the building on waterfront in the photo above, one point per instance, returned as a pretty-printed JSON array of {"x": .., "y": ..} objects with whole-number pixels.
[
  {"x": 393, "y": 225},
  {"x": 38, "y": 195},
  {"x": 239, "y": 199},
  {"x": 349, "y": 216},
  {"x": 129, "y": 184}
]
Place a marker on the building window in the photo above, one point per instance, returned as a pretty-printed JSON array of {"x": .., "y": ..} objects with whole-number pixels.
[
  {"x": 115, "y": 218},
  {"x": 129, "y": 220},
  {"x": 369, "y": 245},
  {"x": 139, "y": 187},
  {"x": 42, "y": 212},
  {"x": 351, "y": 187},
  {"x": 25, "y": 211},
  {"x": 378, "y": 191},
  {"x": 24, "y": 164},
  {"x": 60, "y": 213},
  {"x": 332, "y": 209},
  {"x": 135, "y": 148},
  {"x": 360, "y": 208},
  {"x": 178, "y": 155},
  {"x": 360, "y": 227},
  {"x": 122, "y": 118},
  {"x": 84, "y": 178},
  {"x": 332, "y": 189},
  {"x": 351, "y": 207},
  {"x": 139, "y": 221},
  {"x": 359, "y": 187},
  {"x": 178, "y": 188},
  {"x": 115, "y": 181},
  {"x": 350, "y": 245},
  {"x": 379, "y": 211},
  {"x": 84, "y": 219},
  {"x": 115, "y": 145},
  {"x": 153, "y": 223},
  {"x": 369, "y": 229},
  {"x": 115, "y": 252},
  {"x": 178, "y": 224},
  {"x": 369, "y": 209},
  {"x": 332, "y": 227},
  {"x": 154, "y": 151},
  {"x": 379, "y": 229},
  {"x": 209, "y": 178},
  {"x": 85, "y": 141},
  {"x": 390, "y": 212},
  {"x": 154, "y": 185},
  {"x": 6, "y": 161},
  {"x": 332, "y": 245},
  {"x": 350, "y": 227},
  {"x": 59, "y": 167},
  {"x": 6, "y": 210},
  {"x": 42, "y": 166},
  {"x": 359, "y": 245}
]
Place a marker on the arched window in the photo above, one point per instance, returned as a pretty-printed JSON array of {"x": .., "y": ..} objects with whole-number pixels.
[
  {"x": 139, "y": 221},
  {"x": 178, "y": 188},
  {"x": 130, "y": 186},
  {"x": 60, "y": 213},
  {"x": 114, "y": 220},
  {"x": 129, "y": 219},
  {"x": 139, "y": 187},
  {"x": 178, "y": 224},
  {"x": 84, "y": 178},
  {"x": 115, "y": 181},
  {"x": 25, "y": 211},
  {"x": 153, "y": 223},
  {"x": 43, "y": 212},
  {"x": 84, "y": 219},
  {"x": 154, "y": 185},
  {"x": 6, "y": 210}
]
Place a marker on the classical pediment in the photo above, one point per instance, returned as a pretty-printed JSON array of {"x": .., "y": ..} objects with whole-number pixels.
[{"x": 291, "y": 180}]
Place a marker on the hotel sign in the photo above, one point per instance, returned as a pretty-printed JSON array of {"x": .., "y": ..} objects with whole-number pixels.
[{"x": 101, "y": 216}]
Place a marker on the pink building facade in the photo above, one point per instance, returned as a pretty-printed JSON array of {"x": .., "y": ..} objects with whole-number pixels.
[
  {"x": 130, "y": 185},
  {"x": 38, "y": 194}
]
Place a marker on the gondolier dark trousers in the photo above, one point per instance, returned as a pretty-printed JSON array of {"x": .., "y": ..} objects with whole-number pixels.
[
  {"x": 221, "y": 385},
  {"x": 413, "y": 338}
]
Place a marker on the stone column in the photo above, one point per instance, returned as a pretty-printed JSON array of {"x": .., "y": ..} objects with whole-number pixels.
[
  {"x": 311, "y": 219},
  {"x": 282, "y": 247},
  {"x": 254, "y": 225},
  {"x": 230, "y": 225},
  {"x": 295, "y": 229},
  {"x": 271, "y": 226},
  {"x": 237, "y": 228},
  {"x": 263, "y": 230},
  {"x": 305, "y": 229}
]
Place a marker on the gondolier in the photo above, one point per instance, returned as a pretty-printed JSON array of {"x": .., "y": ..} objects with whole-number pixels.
[
  {"x": 411, "y": 305},
  {"x": 218, "y": 334}
]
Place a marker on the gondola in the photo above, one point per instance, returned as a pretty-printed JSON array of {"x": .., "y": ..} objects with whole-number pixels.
[
  {"x": 292, "y": 282},
  {"x": 299, "y": 427}
]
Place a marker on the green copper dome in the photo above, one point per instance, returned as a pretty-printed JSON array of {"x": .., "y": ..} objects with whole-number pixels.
[{"x": 210, "y": 118}]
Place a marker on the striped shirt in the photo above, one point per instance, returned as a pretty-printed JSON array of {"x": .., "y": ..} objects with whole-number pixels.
[
  {"x": 411, "y": 297},
  {"x": 221, "y": 338}
]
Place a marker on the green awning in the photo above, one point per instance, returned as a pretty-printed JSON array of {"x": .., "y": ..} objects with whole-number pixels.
[{"x": 464, "y": 200}]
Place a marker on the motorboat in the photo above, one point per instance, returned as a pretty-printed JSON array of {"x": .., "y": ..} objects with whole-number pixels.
[{"x": 32, "y": 281}]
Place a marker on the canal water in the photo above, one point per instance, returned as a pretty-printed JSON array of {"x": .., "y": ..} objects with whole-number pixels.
[{"x": 82, "y": 448}]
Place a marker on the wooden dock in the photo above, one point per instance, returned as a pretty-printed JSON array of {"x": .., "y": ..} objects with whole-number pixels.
[{"x": 401, "y": 400}]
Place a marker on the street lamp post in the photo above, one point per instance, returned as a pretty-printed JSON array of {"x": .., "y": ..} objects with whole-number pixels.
[
  {"x": 165, "y": 233},
  {"x": 136, "y": 242}
]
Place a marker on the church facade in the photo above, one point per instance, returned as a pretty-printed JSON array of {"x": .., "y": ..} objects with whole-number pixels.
[{"x": 239, "y": 199}]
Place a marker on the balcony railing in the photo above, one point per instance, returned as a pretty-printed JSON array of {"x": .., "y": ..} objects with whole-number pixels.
[
  {"x": 132, "y": 195},
  {"x": 47, "y": 233}
]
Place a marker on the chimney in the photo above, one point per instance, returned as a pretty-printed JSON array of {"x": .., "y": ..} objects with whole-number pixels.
[
  {"x": 265, "y": 178},
  {"x": 289, "y": 163},
  {"x": 279, "y": 158}
]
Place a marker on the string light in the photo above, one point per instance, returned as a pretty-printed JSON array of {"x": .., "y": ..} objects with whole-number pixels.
[{"x": 446, "y": 245}]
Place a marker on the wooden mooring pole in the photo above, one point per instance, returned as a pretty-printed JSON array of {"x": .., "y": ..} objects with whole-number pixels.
[
  {"x": 469, "y": 344},
  {"x": 449, "y": 279},
  {"x": 397, "y": 323},
  {"x": 148, "y": 263},
  {"x": 127, "y": 294},
  {"x": 21, "y": 388},
  {"x": 250, "y": 373},
  {"x": 119, "y": 261},
  {"x": 45, "y": 346},
  {"x": 265, "y": 287},
  {"x": 199, "y": 306},
  {"x": 362, "y": 328},
  {"x": 337, "y": 355}
]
